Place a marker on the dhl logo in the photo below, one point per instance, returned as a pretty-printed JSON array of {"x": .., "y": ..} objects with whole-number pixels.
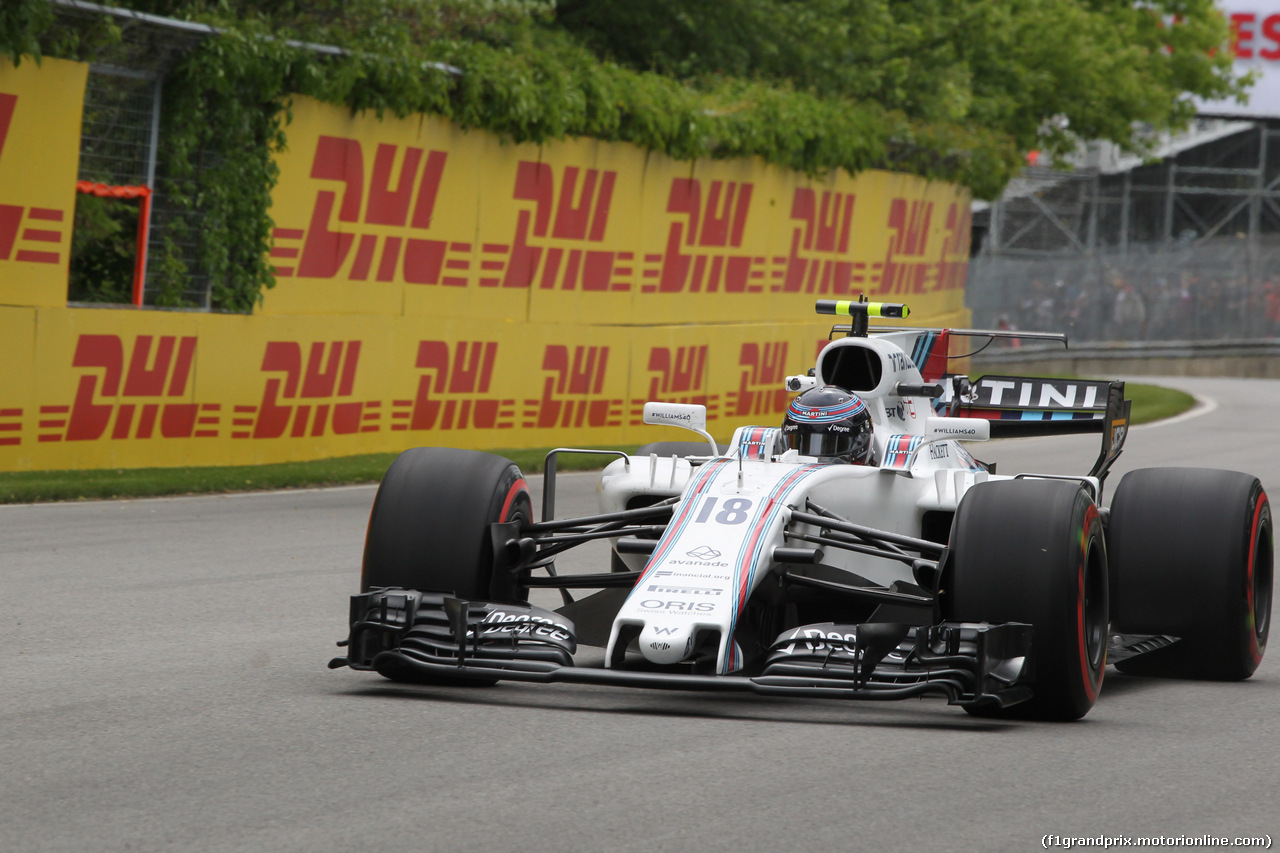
[
  {"x": 679, "y": 375},
  {"x": 820, "y": 247},
  {"x": 157, "y": 368},
  {"x": 760, "y": 390},
  {"x": 906, "y": 269},
  {"x": 38, "y": 235},
  {"x": 574, "y": 207},
  {"x": 451, "y": 390},
  {"x": 403, "y": 200},
  {"x": 328, "y": 371},
  {"x": 708, "y": 224},
  {"x": 571, "y": 390}
]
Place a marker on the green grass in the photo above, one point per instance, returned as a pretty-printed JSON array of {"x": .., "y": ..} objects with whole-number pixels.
[
  {"x": 1150, "y": 403},
  {"x": 1153, "y": 403}
]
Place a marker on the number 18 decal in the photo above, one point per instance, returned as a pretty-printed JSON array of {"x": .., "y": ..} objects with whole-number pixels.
[{"x": 733, "y": 511}]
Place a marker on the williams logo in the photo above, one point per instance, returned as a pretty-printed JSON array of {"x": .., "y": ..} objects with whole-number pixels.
[{"x": 703, "y": 553}]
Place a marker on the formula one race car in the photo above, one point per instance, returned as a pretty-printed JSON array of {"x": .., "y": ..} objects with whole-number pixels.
[{"x": 780, "y": 565}]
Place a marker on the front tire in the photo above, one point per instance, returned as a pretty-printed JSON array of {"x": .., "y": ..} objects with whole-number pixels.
[
  {"x": 1193, "y": 556},
  {"x": 1034, "y": 551},
  {"x": 430, "y": 525}
]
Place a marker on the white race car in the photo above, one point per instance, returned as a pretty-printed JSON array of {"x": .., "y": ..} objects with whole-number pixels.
[{"x": 862, "y": 552}]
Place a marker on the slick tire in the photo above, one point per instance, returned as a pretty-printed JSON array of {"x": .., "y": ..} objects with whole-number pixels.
[
  {"x": 1192, "y": 556},
  {"x": 430, "y": 525},
  {"x": 1034, "y": 551}
]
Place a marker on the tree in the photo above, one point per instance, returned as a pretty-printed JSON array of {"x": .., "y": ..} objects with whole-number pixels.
[{"x": 1045, "y": 73}]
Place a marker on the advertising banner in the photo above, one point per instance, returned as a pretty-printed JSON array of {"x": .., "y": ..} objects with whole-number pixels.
[
  {"x": 40, "y": 109},
  {"x": 443, "y": 287},
  {"x": 416, "y": 217}
]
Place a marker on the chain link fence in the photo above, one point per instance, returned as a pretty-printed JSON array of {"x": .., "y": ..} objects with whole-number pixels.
[
  {"x": 122, "y": 143},
  {"x": 1186, "y": 249}
]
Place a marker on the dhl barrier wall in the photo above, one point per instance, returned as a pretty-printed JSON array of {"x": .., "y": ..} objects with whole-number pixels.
[{"x": 436, "y": 286}]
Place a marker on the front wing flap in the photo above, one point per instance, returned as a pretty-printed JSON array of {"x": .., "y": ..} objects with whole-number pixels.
[{"x": 438, "y": 637}]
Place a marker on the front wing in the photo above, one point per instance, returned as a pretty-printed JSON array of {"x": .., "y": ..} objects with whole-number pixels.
[{"x": 431, "y": 637}]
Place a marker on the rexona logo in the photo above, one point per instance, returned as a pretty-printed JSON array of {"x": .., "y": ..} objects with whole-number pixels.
[{"x": 684, "y": 590}]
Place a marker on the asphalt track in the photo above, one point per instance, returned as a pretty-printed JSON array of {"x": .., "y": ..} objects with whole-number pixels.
[{"x": 163, "y": 688}]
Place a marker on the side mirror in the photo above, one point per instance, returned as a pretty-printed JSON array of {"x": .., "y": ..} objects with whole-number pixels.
[{"x": 688, "y": 416}]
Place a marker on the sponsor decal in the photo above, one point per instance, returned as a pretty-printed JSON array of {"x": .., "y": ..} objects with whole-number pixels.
[
  {"x": 667, "y": 573},
  {"x": 685, "y": 590},
  {"x": 844, "y": 641},
  {"x": 900, "y": 361},
  {"x": 662, "y": 647},
  {"x": 703, "y": 552},
  {"x": 1009, "y": 392},
  {"x": 504, "y": 623},
  {"x": 667, "y": 631},
  {"x": 939, "y": 450},
  {"x": 677, "y": 606}
]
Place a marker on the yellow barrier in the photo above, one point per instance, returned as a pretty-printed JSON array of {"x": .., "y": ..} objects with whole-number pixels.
[
  {"x": 415, "y": 217},
  {"x": 40, "y": 109},
  {"x": 443, "y": 287}
]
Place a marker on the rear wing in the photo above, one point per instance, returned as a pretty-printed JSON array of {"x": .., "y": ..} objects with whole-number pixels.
[
  {"x": 1025, "y": 406},
  {"x": 1013, "y": 405}
]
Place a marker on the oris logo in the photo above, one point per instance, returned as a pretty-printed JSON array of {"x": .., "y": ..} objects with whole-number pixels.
[
  {"x": 703, "y": 552},
  {"x": 678, "y": 606}
]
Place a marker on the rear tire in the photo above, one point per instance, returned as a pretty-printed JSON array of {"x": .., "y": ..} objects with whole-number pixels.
[
  {"x": 1034, "y": 551},
  {"x": 429, "y": 527},
  {"x": 1193, "y": 557}
]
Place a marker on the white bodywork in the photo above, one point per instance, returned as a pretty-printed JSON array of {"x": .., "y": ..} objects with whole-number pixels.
[{"x": 719, "y": 543}]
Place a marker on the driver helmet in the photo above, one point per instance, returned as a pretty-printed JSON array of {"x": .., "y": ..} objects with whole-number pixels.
[{"x": 829, "y": 423}]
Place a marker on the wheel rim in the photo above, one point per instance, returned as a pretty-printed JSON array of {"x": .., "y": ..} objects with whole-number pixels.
[
  {"x": 1263, "y": 567},
  {"x": 1095, "y": 606}
]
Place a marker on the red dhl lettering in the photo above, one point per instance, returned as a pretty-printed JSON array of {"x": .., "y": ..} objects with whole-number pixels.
[
  {"x": 162, "y": 372},
  {"x": 10, "y": 427},
  {"x": 827, "y": 223},
  {"x": 905, "y": 269},
  {"x": 8, "y": 104},
  {"x": 468, "y": 372},
  {"x": 575, "y": 208},
  {"x": 570, "y": 392},
  {"x": 716, "y": 223},
  {"x": 760, "y": 390},
  {"x": 390, "y": 200},
  {"x": 676, "y": 369},
  {"x": 679, "y": 376},
  {"x": 11, "y": 229},
  {"x": 328, "y": 371}
]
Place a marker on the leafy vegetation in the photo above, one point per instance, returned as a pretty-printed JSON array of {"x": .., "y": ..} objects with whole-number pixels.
[{"x": 950, "y": 91}]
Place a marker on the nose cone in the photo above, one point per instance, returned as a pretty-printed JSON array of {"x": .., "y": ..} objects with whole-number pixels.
[{"x": 666, "y": 643}]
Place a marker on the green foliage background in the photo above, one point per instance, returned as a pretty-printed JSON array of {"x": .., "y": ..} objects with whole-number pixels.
[{"x": 949, "y": 91}]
